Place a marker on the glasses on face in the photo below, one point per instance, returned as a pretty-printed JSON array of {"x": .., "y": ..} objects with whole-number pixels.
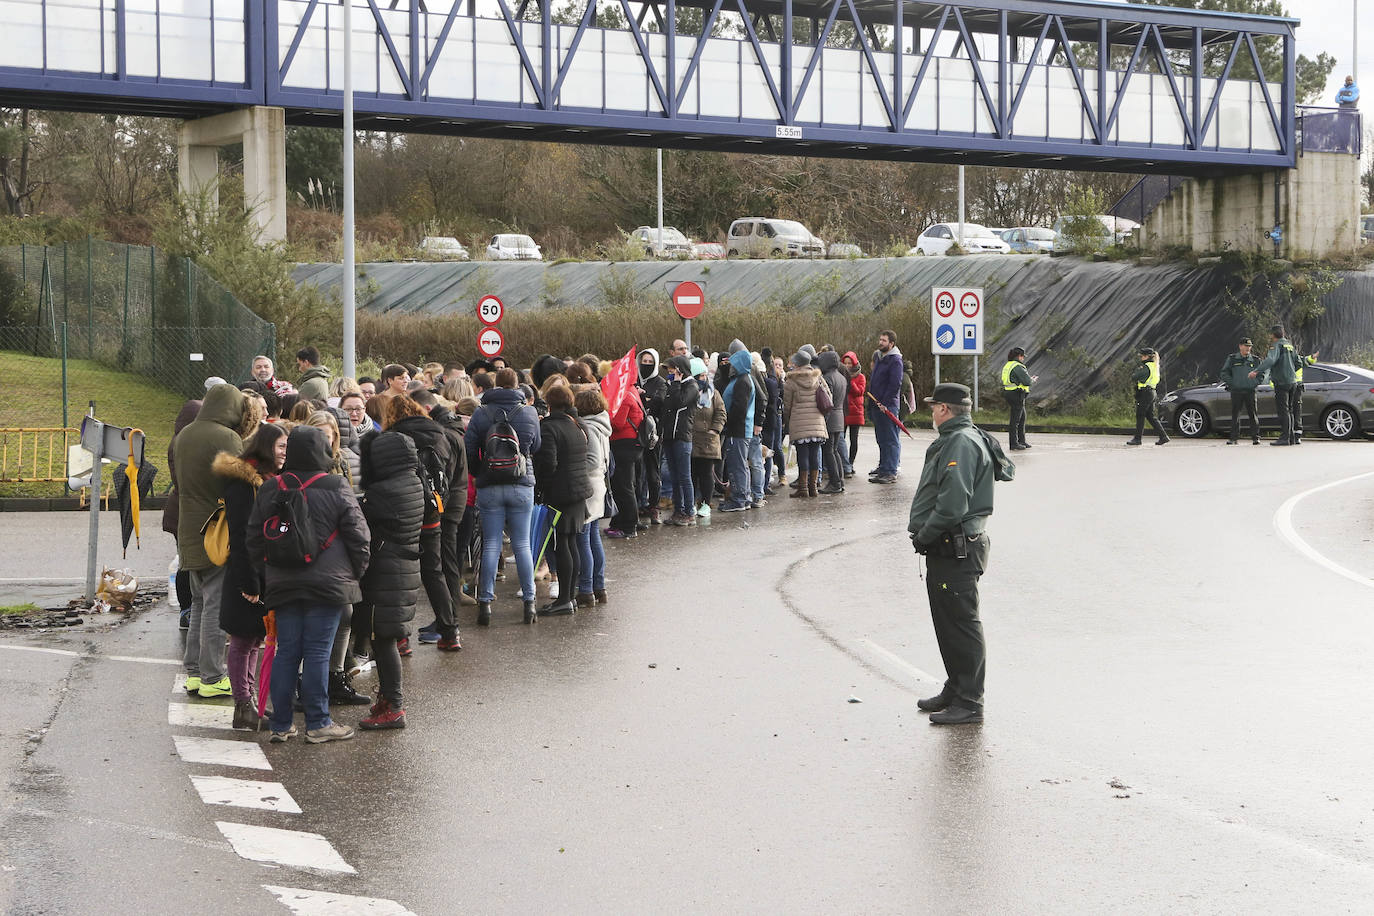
[{"x": 353, "y": 410}]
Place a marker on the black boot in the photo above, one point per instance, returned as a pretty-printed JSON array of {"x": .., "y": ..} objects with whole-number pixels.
[
  {"x": 530, "y": 615},
  {"x": 341, "y": 690},
  {"x": 484, "y": 613}
]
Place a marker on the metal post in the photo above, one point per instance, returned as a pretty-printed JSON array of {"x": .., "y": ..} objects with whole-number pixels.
[
  {"x": 974, "y": 408},
  {"x": 961, "y": 206},
  {"x": 937, "y": 368},
  {"x": 90, "y": 301},
  {"x": 349, "y": 266},
  {"x": 93, "y": 532},
  {"x": 65, "y": 291},
  {"x": 124, "y": 328},
  {"x": 1355, "y": 40},
  {"x": 64, "y": 375},
  {"x": 660, "y": 202},
  {"x": 687, "y": 333}
]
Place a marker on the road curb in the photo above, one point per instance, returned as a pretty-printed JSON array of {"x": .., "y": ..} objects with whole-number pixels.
[{"x": 65, "y": 503}]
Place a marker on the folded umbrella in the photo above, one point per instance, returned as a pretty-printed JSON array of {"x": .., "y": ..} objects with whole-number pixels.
[
  {"x": 889, "y": 414},
  {"x": 269, "y": 652},
  {"x": 542, "y": 522}
]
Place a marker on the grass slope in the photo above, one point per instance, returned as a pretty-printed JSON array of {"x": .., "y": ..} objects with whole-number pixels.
[{"x": 31, "y": 396}]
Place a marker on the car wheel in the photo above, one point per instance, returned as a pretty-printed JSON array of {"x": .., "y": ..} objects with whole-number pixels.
[
  {"x": 1192, "y": 421},
  {"x": 732, "y": 253},
  {"x": 920, "y": 252},
  {"x": 1340, "y": 422}
]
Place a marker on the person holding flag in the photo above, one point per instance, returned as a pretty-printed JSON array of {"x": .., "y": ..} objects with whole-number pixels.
[{"x": 627, "y": 415}]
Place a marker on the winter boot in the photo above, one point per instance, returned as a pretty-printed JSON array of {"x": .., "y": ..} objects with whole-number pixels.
[
  {"x": 813, "y": 480},
  {"x": 341, "y": 690},
  {"x": 799, "y": 489},
  {"x": 383, "y": 715},
  {"x": 484, "y": 614},
  {"x": 246, "y": 715},
  {"x": 531, "y": 616}
]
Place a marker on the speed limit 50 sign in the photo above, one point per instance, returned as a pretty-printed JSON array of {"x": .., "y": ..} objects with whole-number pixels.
[{"x": 490, "y": 310}]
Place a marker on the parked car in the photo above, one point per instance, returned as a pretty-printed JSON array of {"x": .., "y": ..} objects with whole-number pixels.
[
  {"x": 442, "y": 248},
  {"x": 759, "y": 237},
  {"x": 1029, "y": 239},
  {"x": 708, "y": 251},
  {"x": 843, "y": 250},
  {"x": 939, "y": 238},
  {"x": 1115, "y": 230},
  {"x": 513, "y": 247},
  {"x": 673, "y": 244},
  {"x": 1367, "y": 227},
  {"x": 1337, "y": 400}
]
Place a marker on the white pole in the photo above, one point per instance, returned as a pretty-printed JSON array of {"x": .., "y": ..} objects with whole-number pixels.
[
  {"x": 349, "y": 268},
  {"x": 659, "y": 249},
  {"x": 1355, "y": 41},
  {"x": 961, "y": 207}
]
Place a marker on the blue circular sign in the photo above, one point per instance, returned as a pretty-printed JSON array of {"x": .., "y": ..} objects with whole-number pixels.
[{"x": 944, "y": 336}]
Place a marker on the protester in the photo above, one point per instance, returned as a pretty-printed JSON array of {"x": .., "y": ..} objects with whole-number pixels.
[
  {"x": 171, "y": 513},
  {"x": 739, "y": 425},
  {"x": 885, "y": 386},
  {"x": 314, "y": 380},
  {"x": 626, "y": 455},
  {"x": 707, "y": 423},
  {"x": 828, "y": 362},
  {"x": 679, "y": 407},
  {"x": 563, "y": 481},
  {"x": 853, "y": 408},
  {"x": 264, "y": 372},
  {"x": 805, "y": 422},
  {"x": 596, "y": 423},
  {"x": 455, "y": 499}
]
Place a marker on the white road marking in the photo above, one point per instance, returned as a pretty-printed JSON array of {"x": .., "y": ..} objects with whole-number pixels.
[
  {"x": 898, "y": 662},
  {"x": 1283, "y": 523},
  {"x": 245, "y": 793},
  {"x": 309, "y": 903},
  {"x": 294, "y": 848},
  {"x": 200, "y": 715},
  {"x": 109, "y": 658},
  {"x": 219, "y": 752}
]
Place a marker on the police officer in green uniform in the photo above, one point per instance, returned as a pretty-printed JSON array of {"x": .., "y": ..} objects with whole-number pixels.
[
  {"x": 1298, "y": 388},
  {"x": 1146, "y": 380},
  {"x": 1235, "y": 376},
  {"x": 1016, "y": 383},
  {"x": 1282, "y": 363},
  {"x": 949, "y": 515}
]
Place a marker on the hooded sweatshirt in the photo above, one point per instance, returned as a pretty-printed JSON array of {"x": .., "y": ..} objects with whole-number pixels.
[
  {"x": 395, "y": 511},
  {"x": 829, "y": 365},
  {"x": 739, "y": 397},
  {"x": 214, "y": 430},
  {"x": 598, "y": 429},
  {"x": 170, "y": 510},
  {"x": 314, "y": 384},
  {"x": 679, "y": 402},
  {"x": 332, "y": 578},
  {"x": 886, "y": 383}
]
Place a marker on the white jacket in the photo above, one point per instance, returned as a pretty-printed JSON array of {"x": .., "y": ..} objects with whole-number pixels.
[{"x": 598, "y": 430}]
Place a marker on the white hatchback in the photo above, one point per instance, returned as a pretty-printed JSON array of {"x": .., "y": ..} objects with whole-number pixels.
[
  {"x": 513, "y": 247},
  {"x": 939, "y": 238}
]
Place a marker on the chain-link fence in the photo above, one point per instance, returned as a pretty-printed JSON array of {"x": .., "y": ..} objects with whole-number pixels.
[{"x": 130, "y": 307}]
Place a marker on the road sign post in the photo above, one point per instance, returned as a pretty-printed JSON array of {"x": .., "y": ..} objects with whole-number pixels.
[
  {"x": 689, "y": 299},
  {"x": 956, "y": 326}
]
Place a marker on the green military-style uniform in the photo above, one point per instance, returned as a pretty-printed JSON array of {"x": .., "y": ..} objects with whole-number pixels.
[
  {"x": 1282, "y": 363},
  {"x": 1235, "y": 376},
  {"x": 1016, "y": 383},
  {"x": 1145, "y": 380},
  {"x": 1295, "y": 400},
  {"x": 949, "y": 516}
]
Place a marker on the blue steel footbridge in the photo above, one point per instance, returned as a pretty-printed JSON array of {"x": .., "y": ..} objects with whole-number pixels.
[{"x": 1050, "y": 83}]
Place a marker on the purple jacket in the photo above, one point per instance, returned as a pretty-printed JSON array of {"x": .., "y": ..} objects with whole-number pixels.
[{"x": 885, "y": 383}]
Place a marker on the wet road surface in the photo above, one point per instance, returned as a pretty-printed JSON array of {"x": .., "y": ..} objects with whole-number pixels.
[{"x": 1176, "y": 711}]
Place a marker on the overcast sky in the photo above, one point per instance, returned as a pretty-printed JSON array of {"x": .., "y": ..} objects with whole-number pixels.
[{"x": 1327, "y": 26}]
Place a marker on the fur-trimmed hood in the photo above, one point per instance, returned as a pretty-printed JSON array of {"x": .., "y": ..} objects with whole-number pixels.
[{"x": 232, "y": 467}]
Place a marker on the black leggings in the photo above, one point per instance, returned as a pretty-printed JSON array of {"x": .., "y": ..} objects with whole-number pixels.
[
  {"x": 626, "y": 455},
  {"x": 703, "y": 480},
  {"x": 567, "y": 557},
  {"x": 853, "y": 442},
  {"x": 388, "y": 669}
]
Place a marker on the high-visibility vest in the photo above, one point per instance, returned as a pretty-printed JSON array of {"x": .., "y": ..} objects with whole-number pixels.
[
  {"x": 1006, "y": 377},
  {"x": 1153, "y": 380}
]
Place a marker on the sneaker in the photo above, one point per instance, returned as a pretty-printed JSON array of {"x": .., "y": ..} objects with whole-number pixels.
[
  {"x": 192, "y": 683},
  {"x": 283, "y": 737},
  {"x": 383, "y": 715},
  {"x": 450, "y": 643},
  {"x": 429, "y": 636},
  {"x": 760, "y": 503},
  {"x": 403, "y": 647},
  {"x": 886, "y": 478},
  {"x": 331, "y": 732},
  {"x": 185, "y": 621},
  {"x": 725, "y": 507},
  {"x": 703, "y": 511},
  {"x": 220, "y": 688},
  {"x": 616, "y": 534}
]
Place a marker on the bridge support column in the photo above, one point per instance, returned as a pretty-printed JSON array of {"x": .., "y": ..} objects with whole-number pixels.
[{"x": 262, "y": 131}]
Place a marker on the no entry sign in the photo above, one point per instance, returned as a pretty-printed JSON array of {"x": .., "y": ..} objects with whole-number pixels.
[
  {"x": 689, "y": 299},
  {"x": 490, "y": 310},
  {"x": 490, "y": 342}
]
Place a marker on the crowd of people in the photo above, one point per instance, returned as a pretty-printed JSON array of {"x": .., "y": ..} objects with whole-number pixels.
[{"x": 344, "y": 498}]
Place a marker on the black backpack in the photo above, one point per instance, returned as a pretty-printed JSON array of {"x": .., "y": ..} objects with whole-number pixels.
[
  {"x": 434, "y": 477},
  {"x": 1002, "y": 467},
  {"x": 288, "y": 529},
  {"x": 647, "y": 433},
  {"x": 501, "y": 456}
]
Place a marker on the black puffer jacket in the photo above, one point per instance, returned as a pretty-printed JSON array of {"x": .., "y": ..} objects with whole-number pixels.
[
  {"x": 679, "y": 403},
  {"x": 425, "y": 433},
  {"x": 332, "y": 579},
  {"x": 560, "y": 465},
  {"x": 456, "y": 499},
  {"x": 395, "y": 509},
  {"x": 237, "y": 616}
]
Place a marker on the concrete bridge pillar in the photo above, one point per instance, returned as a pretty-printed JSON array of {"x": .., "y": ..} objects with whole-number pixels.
[{"x": 262, "y": 131}]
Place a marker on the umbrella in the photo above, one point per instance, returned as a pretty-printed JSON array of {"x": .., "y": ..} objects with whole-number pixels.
[
  {"x": 889, "y": 414},
  {"x": 542, "y": 521},
  {"x": 269, "y": 652},
  {"x": 127, "y": 495}
]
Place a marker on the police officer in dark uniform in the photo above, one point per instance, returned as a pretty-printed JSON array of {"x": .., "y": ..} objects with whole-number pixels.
[
  {"x": 947, "y": 523},
  {"x": 1235, "y": 376},
  {"x": 1146, "y": 380},
  {"x": 1016, "y": 385},
  {"x": 1281, "y": 362}
]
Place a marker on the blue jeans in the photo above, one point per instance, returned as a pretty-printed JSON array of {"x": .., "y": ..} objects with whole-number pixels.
[
  {"x": 592, "y": 573},
  {"x": 680, "y": 465},
  {"x": 889, "y": 446},
  {"x": 505, "y": 507},
  {"x": 736, "y": 452},
  {"x": 756, "y": 478},
  {"x": 305, "y": 638}
]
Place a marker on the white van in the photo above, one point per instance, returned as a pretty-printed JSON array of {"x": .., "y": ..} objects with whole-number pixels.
[{"x": 760, "y": 237}]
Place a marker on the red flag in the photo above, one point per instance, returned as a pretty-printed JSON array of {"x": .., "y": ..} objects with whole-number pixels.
[{"x": 618, "y": 381}]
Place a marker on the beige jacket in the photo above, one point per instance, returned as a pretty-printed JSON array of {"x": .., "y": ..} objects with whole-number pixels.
[{"x": 804, "y": 420}]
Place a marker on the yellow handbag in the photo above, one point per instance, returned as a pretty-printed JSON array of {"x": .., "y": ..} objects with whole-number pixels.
[{"x": 216, "y": 534}]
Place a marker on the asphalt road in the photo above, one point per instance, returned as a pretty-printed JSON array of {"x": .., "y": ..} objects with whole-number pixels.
[{"x": 1178, "y": 694}]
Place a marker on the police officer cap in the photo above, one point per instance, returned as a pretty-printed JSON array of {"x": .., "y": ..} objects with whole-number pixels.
[
  {"x": 951, "y": 393},
  {"x": 1147, "y": 351},
  {"x": 1246, "y": 342}
]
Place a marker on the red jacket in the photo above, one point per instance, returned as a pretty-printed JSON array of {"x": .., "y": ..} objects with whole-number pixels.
[
  {"x": 854, "y": 400},
  {"x": 626, "y": 421}
]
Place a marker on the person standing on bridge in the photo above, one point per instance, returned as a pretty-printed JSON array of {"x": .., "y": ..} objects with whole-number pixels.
[
  {"x": 1237, "y": 378},
  {"x": 1146, "y": 381},
  {"x": 1016, "y": 384},
  {"x": 948, "y": 524},
  {"x": 1348, "y": 96},
  {"x": 1281, "y": 362}
]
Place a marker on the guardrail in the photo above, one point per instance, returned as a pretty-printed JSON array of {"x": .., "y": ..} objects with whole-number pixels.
[{"x": 34, "y": 455}]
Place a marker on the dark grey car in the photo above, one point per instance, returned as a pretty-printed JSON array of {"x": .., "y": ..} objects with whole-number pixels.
[{"x": 1338, "y": 400}]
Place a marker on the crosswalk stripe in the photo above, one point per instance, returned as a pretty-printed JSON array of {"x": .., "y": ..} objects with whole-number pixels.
[
  {"x": 200, "y": 715},
  {"x": 245, "y": 793},
  {"x": 309, "y": 903},
  {"x": 221, "y": 752},
  {"x": 295, "y": 848}
]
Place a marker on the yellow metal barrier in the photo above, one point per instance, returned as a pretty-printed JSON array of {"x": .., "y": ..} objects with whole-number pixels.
[{"x": 39, "y": 455}]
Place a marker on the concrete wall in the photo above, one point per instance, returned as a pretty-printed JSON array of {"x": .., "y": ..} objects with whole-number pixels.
[
  {"x": 1319, "y": 208},
  {"x": 262, "y": 131}
]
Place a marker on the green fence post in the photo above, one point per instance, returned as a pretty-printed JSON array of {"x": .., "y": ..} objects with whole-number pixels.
[
  {"x": 124, "y": 328},
  {"x": 90, "y": 300},
  {"x": 65, "y": 303},
  {"x": 64, "y": 375},
  {"x": 152, "y": 286}
]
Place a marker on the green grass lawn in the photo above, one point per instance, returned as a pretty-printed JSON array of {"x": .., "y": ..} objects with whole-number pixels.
[{"x": 31, "y": 397}]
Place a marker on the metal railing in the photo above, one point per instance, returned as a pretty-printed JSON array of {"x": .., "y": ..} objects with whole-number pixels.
[
  {"x": 32, "y": 449},
  {"x": 1330, "y": 130}
]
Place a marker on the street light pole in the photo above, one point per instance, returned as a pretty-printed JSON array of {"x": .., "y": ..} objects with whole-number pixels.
[
  {"x": 961, "y": 207},
  {"x": 659, "y": 249},
  {"x": 349, "y": 268}
]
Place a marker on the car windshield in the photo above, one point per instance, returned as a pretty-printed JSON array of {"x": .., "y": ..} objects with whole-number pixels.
[
  {"x": 516, "y": 241},
  {"x": 1040, "y": 235},
  {"x": 791, "y": 227},
  {"x": 975, "y": 231},
  {"x": 670, "y": 235}
]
